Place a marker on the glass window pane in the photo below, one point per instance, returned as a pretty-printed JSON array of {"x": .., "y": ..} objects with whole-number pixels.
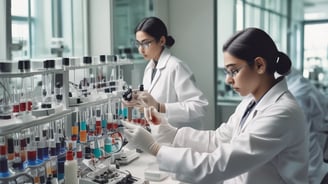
[
  {"x": 19, "y": 8},
  {"x": 20, "y": 39},
  {"x": 239, "y": 15},
  {"x": 255, "y": 2},
  {"x": 252, "y": 16},
  {"x": 315, "y": 52}
]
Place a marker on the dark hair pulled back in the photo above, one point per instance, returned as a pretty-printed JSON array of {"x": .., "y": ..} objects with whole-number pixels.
[
  {"x": 155, "y": 28},
  {"x": 253, "y": 42}
]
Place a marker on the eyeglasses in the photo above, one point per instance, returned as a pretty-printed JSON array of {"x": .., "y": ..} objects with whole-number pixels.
[
  {"x": 232, "y": 73},
  {"x": 144, "y": 44}
]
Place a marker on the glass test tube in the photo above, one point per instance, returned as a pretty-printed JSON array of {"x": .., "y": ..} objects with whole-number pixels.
[
  {"x": 75, "y": 128},
  {"x": 18, "y": 164},
  {"x": 98, "y": 122},
  {"x": 15, "y": 98},
  {"x": 5, "y": 106},
  {"x": 4, "y": 171},
  {"x": 83, "y": 127}
]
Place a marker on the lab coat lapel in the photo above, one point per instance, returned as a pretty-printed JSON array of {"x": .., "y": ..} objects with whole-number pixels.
[
  {"x": 155, "y": 79},
  {"x": 160, "y": 65},
  {"x": 267, "y": 100}
]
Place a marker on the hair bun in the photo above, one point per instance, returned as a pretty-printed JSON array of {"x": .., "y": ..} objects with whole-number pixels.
[
  {"x": 283, "y": 64},
  {"x": 169, "y": 41}
]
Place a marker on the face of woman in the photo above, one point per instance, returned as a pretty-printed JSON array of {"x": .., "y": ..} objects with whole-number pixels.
[
  {"x": 240, "y": 76},
  {"x": 148, "y": 47}
]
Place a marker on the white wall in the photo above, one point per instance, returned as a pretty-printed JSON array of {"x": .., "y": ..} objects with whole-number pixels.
[{"x": 191, "y": 23}]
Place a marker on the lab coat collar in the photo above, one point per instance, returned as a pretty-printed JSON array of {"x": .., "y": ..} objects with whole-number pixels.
[
  {"x": 268, "y": 99},
  {"x": 272, "y": 95},
  {"x": 163, "y": 59},
  {"x": 162, "y": 62}
]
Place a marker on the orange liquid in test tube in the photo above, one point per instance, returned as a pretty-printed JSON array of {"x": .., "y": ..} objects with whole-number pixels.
[{"x": 83, "y": 136}]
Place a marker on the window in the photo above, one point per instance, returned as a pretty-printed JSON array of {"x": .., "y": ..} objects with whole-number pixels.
[
  {"x": 316, "y": 53},
  {"x": 46, "y": 28}
]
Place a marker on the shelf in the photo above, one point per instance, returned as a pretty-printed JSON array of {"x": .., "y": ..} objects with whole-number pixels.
[
  {"x": 28, "y": 74},
  {"x": 17, "y": 124},
  {"x": 95, "y": 102},
  {"x": 83, "y": 66}
]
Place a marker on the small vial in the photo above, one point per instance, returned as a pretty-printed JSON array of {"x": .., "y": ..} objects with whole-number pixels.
[
  {"x": 75, "y": 131},
  {"x": 98, "y": 122},
  {"x": 4, "y": 172},
  {"x": 83, "y": 129},
  {"x": 18, "y": 164},
  {"x": 58, "y": 92},
  {"x": 97, "y": 151},
  {"x": 79, "y": 153},
  {"x": 108, "y": 145},
  {"x": 32, "y": 154},
  {"x": 10, "y": 148}
]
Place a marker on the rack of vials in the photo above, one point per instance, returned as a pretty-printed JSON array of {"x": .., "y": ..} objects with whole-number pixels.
[{"x": 60, "y": 120}]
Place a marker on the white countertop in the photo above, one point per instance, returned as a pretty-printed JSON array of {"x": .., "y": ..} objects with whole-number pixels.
[{"x": 138, "y": 166}]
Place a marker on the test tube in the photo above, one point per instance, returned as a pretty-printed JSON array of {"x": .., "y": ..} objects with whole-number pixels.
[
  {"x": 4, "y": 171},
  {"x": 79, "y": 154},
  {"x": 5, "y": 106},
  {"x": 83, "y": 127},
  {"x": 98, "y": 122},
  {"x": 44, "y": 139},
  {"x": 108, "y": 145},
  {"x": 103, "y": 119},
  {"x": 32, "y": 152},
  {"x": 18, "y": 164},
  {"x": 61, "y": 135},
  {"x": 15, "y": 98},
  {"x": 23, "y": 145},
  {"x": 97, "y": 151},
  {"x": 46, "y": 85},
  {"x": 10, "y": 147},
  {"x": 58, "y": 92},
  {"x": 75, "y": 128}
]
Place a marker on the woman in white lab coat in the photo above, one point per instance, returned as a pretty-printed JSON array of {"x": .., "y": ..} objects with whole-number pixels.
[
  {"x": 168, "y": 82},
  {"x": 265, "y": 141}
]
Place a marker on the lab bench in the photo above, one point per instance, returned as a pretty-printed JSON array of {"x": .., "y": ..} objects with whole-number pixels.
[{"x": 138, "y": 167}]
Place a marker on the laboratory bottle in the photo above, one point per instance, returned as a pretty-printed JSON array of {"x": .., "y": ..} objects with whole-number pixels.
[{"x": 70, "y": 169}]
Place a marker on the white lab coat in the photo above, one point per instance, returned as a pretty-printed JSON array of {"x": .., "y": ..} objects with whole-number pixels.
[
  {"x": 313, "y": 103},
  {"x": 174, "y": 85},
  {"x": 271, "y": 148}
]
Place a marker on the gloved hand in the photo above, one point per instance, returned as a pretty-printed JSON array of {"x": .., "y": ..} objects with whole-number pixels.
[
  {"x": 162, "y": 131},
  {"x": 135, "y": 100},
  {"x": 147, "y": 99},
  {"x": 140, "y": 137}
]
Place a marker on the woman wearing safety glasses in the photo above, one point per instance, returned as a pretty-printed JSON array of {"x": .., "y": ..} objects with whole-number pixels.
[
  {"x": 265, "y": 141},
  {"x": 169, "y": 83}
]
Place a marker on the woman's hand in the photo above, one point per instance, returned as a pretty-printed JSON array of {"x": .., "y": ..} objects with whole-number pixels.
[
  {"x": 164, "y": 132},
  {"x": 141, "y": 99},
  {"x": 153, "y": 116},
  {"x": 147, "y": 99},
  {"x": 140, "y": 137},
  {"x": 135, "y": 101}
]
